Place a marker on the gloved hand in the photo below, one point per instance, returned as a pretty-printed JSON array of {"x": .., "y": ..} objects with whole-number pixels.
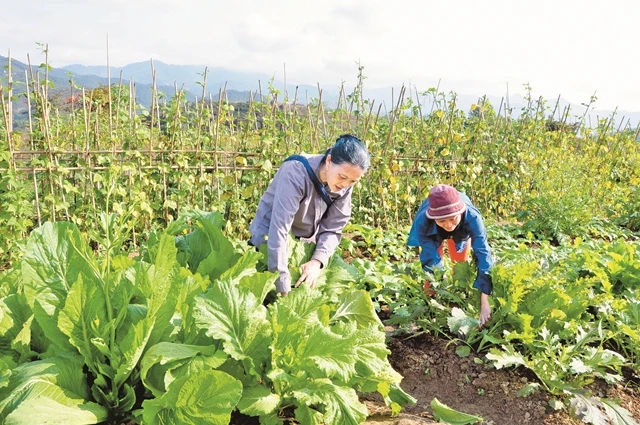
[{"x": 428, "y": 290}]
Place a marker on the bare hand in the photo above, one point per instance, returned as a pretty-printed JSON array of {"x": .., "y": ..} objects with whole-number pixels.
[
  {"x": 485, "y": 310},
  {"x": 310, "y": 272}
]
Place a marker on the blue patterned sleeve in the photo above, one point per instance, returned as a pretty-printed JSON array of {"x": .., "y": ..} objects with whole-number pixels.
[
  {"x": 481, "y": 253},
  {"x": 419, "y": 236}
]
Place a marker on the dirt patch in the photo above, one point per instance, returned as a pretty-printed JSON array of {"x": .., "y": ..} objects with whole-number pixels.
[{"x": 432, "y": 369}]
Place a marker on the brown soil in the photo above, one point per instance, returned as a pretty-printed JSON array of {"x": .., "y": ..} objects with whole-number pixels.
[{"x": 431, "y": 369}]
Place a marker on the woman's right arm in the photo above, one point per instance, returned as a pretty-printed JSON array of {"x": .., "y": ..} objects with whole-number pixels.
[
  {"x": 290, "y": 184},
  {"x": 429, "y": 256}
]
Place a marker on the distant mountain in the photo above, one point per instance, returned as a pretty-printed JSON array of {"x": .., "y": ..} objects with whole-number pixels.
[
  {"x": 240, "y": 86},
  {"x": 191, "y": 78},
  {"x": 60, "y": 87}
]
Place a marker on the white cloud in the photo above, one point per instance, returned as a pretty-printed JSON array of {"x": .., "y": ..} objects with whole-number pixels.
[{"x": 566, "y": 47}]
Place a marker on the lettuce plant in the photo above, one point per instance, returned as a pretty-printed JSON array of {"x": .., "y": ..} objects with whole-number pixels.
[
  {"x": 309, "y": 353},
  {"x": 85, "y": 323}
]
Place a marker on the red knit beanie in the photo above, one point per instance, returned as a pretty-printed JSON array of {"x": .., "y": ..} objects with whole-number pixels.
[{"x": 444, "y": 202}]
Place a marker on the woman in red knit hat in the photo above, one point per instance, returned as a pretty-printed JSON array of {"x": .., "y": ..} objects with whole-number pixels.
[{"x": 448, "y": 215}]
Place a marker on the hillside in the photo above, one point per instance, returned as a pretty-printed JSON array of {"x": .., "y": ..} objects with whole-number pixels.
[{"x": 241, "y": 86}]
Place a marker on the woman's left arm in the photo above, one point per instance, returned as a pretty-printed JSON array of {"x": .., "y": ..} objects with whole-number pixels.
[{"x": 482, "y": 253}]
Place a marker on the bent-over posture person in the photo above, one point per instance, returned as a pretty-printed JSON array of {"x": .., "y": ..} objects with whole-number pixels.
[
  {"x": 448, "y": 215},
  {"x": 310, "y": 196}
]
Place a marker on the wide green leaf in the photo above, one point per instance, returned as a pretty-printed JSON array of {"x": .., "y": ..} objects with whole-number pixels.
[
  {"x": 55, "y": 255},
  {"x": 258, "y": 400},
  {"x": 84, "y": 318},
  {"x": 317, "y": 351},
  {"x": 15, "y": 326},
  {"x": 54, "y": 258},
  {"x": 209, "y": 251},
  {"x": 356, "y": 306},
  {"x": 320, "y": 401},
  {"x": 47, "y": 410},
  {"x": 206, "y": 398},
  {"x": 159, "y": 284},
  {"x": 195, "y": 246},
  {"x": 163, "y": 363},
  {"x": 237, "y": 318},
  {"x": 56, "y": 380}
]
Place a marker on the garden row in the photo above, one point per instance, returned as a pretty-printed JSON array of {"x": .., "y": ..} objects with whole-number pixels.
[{"x": 105, "y": 153}]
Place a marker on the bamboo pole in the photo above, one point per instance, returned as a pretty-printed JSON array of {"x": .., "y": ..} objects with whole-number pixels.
[
  {"x": 313, "y": 129},
  {"x": 10, "y": 94},
  {"x": 6, "y": 119},
  {"x": 37, "y": 198},
  {"x": 325, "y": 135},
  {"x": 47, "y": 133},
  {"x": 109, "y": 91},
  {"x": 368, "y": 120},
  {"x": 394, "y": 114},
  {"x": 28, "y": 95},
  {"x": 132, "y": 112},
  {"x": 419, "y": 105},
  {"x": 204, "y": 96},
  {"x": 118, "y": 101},
  {"x": 591, "y": 101},
  {"x": 294, "y": 113},
  {"x": 151, "y": 112}
]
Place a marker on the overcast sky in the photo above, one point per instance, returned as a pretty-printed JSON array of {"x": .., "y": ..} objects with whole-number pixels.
[{"x": 571, "y": 48}]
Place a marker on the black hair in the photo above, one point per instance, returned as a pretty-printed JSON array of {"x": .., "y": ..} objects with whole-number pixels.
[{"x": 349, "y": 149}]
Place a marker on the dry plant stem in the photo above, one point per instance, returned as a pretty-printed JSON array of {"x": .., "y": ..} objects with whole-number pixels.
[
  {"x": 46, "y": 72},
  {"x": 154, "y": 101},
  {"x": 313, "y": 130},
  {"x": 555, "y": 108},
  {"x": 47, "y": 135},
  {"x": 621, "y": 123},
  {"x": 322, "y": 114},
  {"x": 419, "y": 105},
  {"x": 176, "y": 115},
  {"x": 294, "y": 111},
  {"x": 216, "y": 146},
  {"x": 435, "y": 97},
  {"x": 132, "y": 112},
  {"x": 591, "y": 100},
  {"x": 394, "y": 115},
  {"x": 452, "y": 108},
  {"x": 115, "y": 136},
  {"x": 109, "y": 90},
  {"x": 367, "y": 121},
  {"x": 164, "y": 194},
  {"x": 37, "y": 199},
  {"x": 10, "y": 94},
  {"x": 6, "y": 125},
  {"x": 249, "y": 112},
  {"x": 201, "y": 110},
  {"x": 26, "y": 80}
]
